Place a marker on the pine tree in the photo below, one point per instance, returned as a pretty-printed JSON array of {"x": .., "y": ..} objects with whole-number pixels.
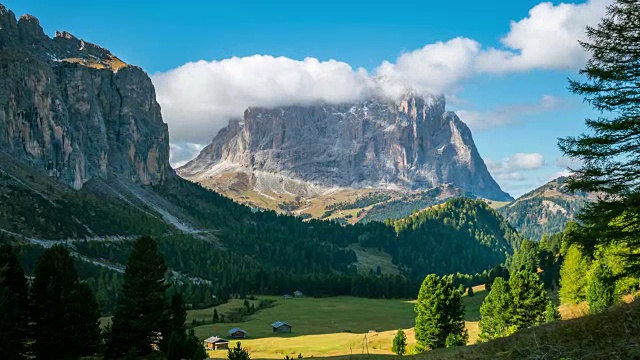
[
  {"x": 14, "y": 315},
  {"x": 551, "y": 313},
  {"x": 64, "y": 311},
  {"x": 141, "y": 314},
  {"x": 238, "y": 353},
  {"x": 609, "y": 153},
  {"x": 600, "y": 293},
  {"x": 470, "y": 291},
  {"x": 429, "y": 330},
  {"x": 529, "y": 299},
  {"x": 439, "y": 314},
  {"x": 496, "y": 311},
  {"x": 399, "y": 343},
  {"x": 573, "y": 276}
]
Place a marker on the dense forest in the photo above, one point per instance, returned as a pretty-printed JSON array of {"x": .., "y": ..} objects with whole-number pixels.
[{"x": 262, "y": 252}]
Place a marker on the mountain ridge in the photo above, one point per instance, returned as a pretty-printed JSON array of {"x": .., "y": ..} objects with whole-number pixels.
[{"x": 305, "y": 153}]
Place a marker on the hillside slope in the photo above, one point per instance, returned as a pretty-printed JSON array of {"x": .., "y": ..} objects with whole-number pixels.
[
  {"x": 545, "y": 210},
  {"x": 612, "y": 335}
]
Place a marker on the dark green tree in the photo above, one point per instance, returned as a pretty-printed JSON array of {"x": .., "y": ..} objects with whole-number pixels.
[
  {"x": 399, "y": 343},
  {"x": 216, "y": 317},
  {"x": 439, "y": 314},
  {"x": 14, "y": 315},
  {"x": 64, "y": 312},
  {"x": 496, "y": 311},
  {"x": 609, "y": 153},
  {"x": 141, "y": 314},
  {"x": 529, "y": 299},
  {"x": 470, "y": 291},
  {"x": 238, "y": 353},
  {"x": 177, "y": 346},
  {"x": 601, "y": 288}
]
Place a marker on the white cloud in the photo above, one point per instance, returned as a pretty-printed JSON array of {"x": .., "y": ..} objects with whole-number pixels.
[
  {"x": 515, "y": 162},
  {"x": 546, "y": 39},
  {"x": 510, "y": 114},
  {"x": 198, "y": 98},
  {"x": 435, "y": 68}
]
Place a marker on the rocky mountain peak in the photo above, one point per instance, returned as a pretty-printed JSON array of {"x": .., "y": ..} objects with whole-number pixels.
[
  {"x": 410, "y": 144},
  {"x": 74, "y": 110}
]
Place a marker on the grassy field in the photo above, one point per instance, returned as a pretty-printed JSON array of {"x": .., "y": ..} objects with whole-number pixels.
[{"x": 327, "y": 327}]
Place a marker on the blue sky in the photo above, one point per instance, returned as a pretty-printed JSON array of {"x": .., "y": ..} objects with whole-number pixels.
[{"x": 506, "y": 74}]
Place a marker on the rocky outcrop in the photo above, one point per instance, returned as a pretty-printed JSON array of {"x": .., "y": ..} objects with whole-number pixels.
[
  {"x": 411, "y": 144},
  {"x": 74, "y": 110}
]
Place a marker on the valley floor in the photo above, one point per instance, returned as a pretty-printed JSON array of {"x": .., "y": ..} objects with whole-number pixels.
[{"x": 335, "y": 326}]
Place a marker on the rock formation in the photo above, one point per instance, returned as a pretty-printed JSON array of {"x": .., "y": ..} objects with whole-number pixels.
[
  {"x": 75, "y": 111},
  {"x": 410, "y": 144}
]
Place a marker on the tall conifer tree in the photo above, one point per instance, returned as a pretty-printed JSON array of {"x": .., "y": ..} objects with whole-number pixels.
[
  {"x": 64, "y": 312},
  {"x": 610, "y": 152},
  {"x": 142, "y": 314}
]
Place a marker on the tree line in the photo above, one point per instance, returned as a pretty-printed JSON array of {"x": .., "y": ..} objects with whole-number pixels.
[{"x": 56, "y": 316}]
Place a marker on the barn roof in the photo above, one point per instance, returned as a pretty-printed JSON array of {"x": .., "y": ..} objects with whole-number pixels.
[
  {"x": 278, "y": 324},
  {"x": 215, "y": 339},
  {"x": 236, "y": 329}
]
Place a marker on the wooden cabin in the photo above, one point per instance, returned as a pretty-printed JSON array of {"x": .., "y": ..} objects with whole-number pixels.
[
  {"x": 281, "y": 327},
  {"x": 216, "y": 343},
  {"x": 237, "y": 333}
]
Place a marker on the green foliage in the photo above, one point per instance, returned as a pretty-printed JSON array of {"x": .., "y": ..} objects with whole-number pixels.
[
  {"x": 526, "y": 258},
  {"x": 64, "y": 311},
  {"x": 529, "y": 299},
  {"x": 141, "y": 315},
  {"x": 14, "y": 315},
  {"x": 399, "y": 343},
  {"x": 601, "y": 288},
  {"x": 439, "y": 314},
  {"x": 609, "y": 153},
  {"x": 238, "y": 353},
  {"x": 496, "y": 311},
  {"x": 477, "y": 239},
  {"x": 509, "y": 307},
  {"x": 551, "y": 313},
  {"x": 573, "y": 276}
]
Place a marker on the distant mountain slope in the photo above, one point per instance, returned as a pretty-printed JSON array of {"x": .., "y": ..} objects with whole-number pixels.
[{"x": 545, "y": 210}]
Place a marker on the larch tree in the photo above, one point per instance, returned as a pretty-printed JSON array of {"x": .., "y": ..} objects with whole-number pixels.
[
  {"x": 609, "y": 153},
  {"x": 573, "y": 276}
]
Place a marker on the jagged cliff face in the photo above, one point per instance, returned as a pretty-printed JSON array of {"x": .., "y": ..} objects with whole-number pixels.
[
  {"x": 74, "y": 110},
  {"x": 410, "y": 144}
]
